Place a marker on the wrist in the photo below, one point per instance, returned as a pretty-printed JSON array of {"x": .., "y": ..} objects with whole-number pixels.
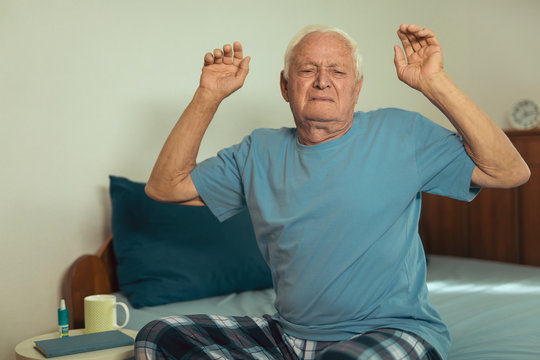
[
  {"x": 209, "y": 94},
  {"x": 208, "y": 97},
  {"x": 438, "y": 85}
]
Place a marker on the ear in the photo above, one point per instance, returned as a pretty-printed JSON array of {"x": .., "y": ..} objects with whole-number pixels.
[
  {"x": 283, "y": 83},
  {"x": 357, "y": 88}
]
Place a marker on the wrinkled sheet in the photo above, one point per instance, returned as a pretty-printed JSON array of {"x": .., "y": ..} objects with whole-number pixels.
[{"x": 492, "y": 309}]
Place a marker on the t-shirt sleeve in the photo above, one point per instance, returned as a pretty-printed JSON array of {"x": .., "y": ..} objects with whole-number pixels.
[
  {"x": 444, "y": 166},
  {"x": 219, "y": 180}
]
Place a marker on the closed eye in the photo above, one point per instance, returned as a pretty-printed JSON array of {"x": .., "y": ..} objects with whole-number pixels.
[
  {"x": 339, "y": 73},
  {"x": 306, "y": 72}
]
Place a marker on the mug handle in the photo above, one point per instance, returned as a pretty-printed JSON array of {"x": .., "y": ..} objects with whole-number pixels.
[{"x": 127, "y": 315}]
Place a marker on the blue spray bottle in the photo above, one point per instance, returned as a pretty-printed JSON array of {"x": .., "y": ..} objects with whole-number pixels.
[{"x": 63, "y": 320}]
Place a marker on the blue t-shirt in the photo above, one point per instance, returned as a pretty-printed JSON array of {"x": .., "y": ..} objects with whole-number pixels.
[{"x": 337, "y": 222}]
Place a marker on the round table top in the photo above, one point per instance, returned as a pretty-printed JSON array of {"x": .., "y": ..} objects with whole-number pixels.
[{"x": 25, "y": 349}]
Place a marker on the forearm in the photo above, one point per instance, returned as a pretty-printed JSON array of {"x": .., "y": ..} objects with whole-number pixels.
[
  {"x": 498, "y": 163},
  {"x": 223, "y": 73},
  {"x": 170, "y": 178}
]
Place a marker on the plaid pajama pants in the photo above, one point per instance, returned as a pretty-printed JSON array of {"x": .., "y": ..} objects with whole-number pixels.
[{"x": 234, "y": 337}]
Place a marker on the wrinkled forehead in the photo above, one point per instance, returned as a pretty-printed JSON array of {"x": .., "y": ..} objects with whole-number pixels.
[{"x": 324, "y": 48}]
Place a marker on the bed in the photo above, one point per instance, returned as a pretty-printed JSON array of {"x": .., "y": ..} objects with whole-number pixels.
[{"x": 168, "y": 259}]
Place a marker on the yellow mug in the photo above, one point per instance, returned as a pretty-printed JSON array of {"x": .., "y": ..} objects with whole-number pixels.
[{"x": 100, "y": 313}]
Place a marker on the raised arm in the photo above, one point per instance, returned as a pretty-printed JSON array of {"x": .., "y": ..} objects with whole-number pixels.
[
  {"x": 223, "y": 73},
  {"x": 498, "y": 163}
]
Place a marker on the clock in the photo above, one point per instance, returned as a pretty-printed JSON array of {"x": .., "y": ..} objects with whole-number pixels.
[{"x": 524, "y": 115}]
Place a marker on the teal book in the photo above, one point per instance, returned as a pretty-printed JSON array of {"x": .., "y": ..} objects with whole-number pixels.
[{"x": 83, "y": 343}]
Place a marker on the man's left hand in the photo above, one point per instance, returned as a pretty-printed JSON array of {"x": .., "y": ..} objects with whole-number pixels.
[{"x": 422, "y": 60}]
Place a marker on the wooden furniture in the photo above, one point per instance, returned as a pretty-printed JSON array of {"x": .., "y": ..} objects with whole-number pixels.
[
  {"x": 500, "y": 224},
  {"x": 89, "y": 275},
  {"x": 25, "y": 349}
]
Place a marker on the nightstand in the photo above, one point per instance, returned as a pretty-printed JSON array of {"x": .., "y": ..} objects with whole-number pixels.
[{"x": 25, "y": 349}]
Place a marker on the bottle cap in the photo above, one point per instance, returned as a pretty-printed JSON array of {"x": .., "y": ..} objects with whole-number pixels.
[{"x": 63, "y": 313}]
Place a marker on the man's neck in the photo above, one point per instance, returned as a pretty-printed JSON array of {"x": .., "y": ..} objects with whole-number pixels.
[{"x": 318, "y": 132}]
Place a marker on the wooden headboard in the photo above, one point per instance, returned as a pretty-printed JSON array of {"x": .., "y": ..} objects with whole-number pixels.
[{"x": 89, "y": 275}]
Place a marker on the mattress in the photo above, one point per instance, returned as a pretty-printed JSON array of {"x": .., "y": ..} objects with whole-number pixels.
[{"x": 492, "y": 309}]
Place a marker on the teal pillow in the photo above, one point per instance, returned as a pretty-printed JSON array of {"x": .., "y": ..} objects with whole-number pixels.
[{"x": 167, "y": 252}]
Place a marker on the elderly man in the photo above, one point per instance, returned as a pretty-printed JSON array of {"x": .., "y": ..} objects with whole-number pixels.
[{"x": 335, "y": 202}]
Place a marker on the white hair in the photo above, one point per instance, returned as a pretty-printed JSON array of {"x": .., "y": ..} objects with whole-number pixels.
[{"x": 289, "y": 53}]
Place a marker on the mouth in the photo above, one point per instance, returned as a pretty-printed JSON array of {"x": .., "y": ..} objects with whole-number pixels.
[{"x": 322, "y": 98}]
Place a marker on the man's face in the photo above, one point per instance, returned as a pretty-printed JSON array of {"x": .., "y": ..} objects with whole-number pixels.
[{"x": 322, "y": 88}]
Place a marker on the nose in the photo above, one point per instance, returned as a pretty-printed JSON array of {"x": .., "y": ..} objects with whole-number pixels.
[{"x": 322, "y": 81}]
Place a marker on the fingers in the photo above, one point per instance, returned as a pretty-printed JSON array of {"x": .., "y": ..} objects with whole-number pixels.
[
  {"x": 218, "y": 56},
  {"x": 227, "y": 54},
  {"x": 208, "y": 59},
  {"x": 244, "y": 64},
  {"x": 238, "y": 52},
  {"x": 405, "y": 41},
  {"x": 231, "y": 54},
  {"x": 399, "y": 59},
  {"x": 410, "y": 33},
  {"x": 414, "y": 38}
]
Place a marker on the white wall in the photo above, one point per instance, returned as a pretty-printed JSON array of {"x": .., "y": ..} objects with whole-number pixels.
[{"x": 91, "y": 88}]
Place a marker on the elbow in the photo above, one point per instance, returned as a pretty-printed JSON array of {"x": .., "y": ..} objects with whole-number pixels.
[
  {"x": 158, "y": 191},
  {"x": 518, "y": 176},
  {"x": 522, "y": 175},
  {"x": 176, "y": 191},
  {"x": 507, "y": 178},
  {"x": 152, "y": 193}
]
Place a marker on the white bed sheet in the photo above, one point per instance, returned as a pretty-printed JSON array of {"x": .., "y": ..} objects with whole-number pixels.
[{"x": 492, "y": 309}]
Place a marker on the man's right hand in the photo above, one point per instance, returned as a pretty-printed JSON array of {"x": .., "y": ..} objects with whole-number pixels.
[{"x": 224, "y": 71}]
